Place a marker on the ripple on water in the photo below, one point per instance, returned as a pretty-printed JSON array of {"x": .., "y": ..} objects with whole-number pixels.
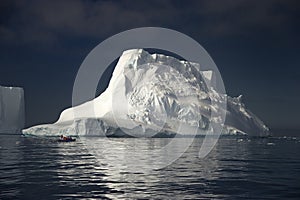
[{"x": 39, "y": 168}]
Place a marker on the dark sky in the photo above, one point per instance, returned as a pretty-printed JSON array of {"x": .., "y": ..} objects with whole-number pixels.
[{"x": 255, "y": 45}]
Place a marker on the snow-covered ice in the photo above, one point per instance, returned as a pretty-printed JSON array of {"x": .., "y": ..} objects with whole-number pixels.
[
  {"x": 12, "y": 110},
  {"x": 151, "y": 93}
]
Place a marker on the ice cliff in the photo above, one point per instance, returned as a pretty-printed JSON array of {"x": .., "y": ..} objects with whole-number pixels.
[
  {"x": 151, "y": 93},
  {"x": 12, "y": 110}
]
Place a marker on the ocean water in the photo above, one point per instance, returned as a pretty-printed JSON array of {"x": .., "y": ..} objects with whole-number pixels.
[{"x": 248, "y": 168}]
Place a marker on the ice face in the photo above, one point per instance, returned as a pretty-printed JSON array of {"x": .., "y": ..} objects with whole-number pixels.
[
  {"x": 240, "y": 120},
  {"x": 153, "y": 93},
  {"x": 12, "y": 111}
]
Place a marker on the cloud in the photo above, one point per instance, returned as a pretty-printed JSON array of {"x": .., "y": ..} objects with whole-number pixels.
[{"x": 46, "y": 21}]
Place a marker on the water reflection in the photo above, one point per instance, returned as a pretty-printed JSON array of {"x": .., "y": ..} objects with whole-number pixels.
[
  {"x": 186, "y": 177},
  {"x": 234, "y": 169},
  {"x": 11, "y": 156},
  {"x": 42, "y": 168},
  {"x": 137, "y": 154}
]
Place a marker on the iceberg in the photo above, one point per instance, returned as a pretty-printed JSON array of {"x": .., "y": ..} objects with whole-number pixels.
[
  {"x": 152, "y": 94},
  {"x": 12, "y": 110}
]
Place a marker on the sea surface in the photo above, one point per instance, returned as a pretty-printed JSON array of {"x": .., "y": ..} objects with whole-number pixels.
[{"x": 236, "y": 168}]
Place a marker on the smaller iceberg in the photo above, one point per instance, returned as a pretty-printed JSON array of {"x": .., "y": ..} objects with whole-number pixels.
[
  {"x": 12, "y": 110},
  {"x": 150, "y": 94}
]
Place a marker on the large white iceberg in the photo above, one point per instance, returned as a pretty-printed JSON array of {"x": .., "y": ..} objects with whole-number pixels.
[
  {"x": 150, "y": 94},
  {"x": 12, "y": 110}
]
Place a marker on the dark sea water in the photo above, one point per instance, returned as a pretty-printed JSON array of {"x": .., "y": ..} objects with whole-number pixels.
[{"x": 247, "y": 168}]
